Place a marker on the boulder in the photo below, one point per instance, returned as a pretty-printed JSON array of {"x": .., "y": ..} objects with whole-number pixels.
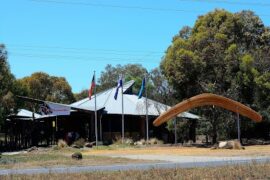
[
  {"x": 232, "y": 144},
  {"x": 34, "y": 148},
  {"x": 75, "y": 146},
  {"x": 77, "y": 156},
  {"x": 255, "y": 142},
  {"x": 223, "y": 145},
  {"x": 88, "y": 145}
]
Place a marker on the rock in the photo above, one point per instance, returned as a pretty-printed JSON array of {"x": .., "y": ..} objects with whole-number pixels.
[
  {"x": 255, "y": 142},
  {"x": 223, "y": 144},
  {"x": 34, "y": 148},
  {"x": 233, "y": 144},
  {"x": 214, "y": 147},
  {"x": 75, "y": 146},
  {"x": 89, "y": 145},
  {"x": 76, "y": 155}
]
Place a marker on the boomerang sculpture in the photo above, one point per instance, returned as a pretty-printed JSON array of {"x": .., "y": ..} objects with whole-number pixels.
[{"x": 208, "y": 99}]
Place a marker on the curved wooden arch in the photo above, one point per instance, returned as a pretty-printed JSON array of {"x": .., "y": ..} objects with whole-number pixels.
[{"x": 208, "y": 99}]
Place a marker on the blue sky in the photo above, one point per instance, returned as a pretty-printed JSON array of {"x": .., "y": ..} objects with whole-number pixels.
[{"x": 72, "y": 38}]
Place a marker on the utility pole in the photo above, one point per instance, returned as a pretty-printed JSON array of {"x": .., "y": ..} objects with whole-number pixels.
[
  {"x": 96, "y": 128},
  {"x": 123, "y": 118}
]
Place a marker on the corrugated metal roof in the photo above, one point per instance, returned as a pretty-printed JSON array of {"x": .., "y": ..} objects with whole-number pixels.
[
  {"x": 26, "y": 113},
  {"x": 132, "y": 105}
]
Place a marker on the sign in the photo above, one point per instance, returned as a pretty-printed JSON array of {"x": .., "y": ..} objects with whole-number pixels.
[{"x": 48, "y": 108}]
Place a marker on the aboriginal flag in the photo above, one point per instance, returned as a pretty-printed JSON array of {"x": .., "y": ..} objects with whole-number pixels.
[{"x": 92, "y": 86}]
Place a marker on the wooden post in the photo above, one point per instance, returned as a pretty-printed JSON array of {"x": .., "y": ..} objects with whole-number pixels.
[{"x": 100, "y": 127}]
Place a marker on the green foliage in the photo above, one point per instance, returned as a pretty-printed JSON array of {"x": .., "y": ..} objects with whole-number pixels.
[
  {"x": 7, "y": 100},
  {"x": 225, "y": 54},
  {"x": 110, "y": 76},
  {"x": 182, "y": 126},
  {"x": 263, "y": 95},
  {"x": 45, "y": 87},
  {"x": 81, "y": 95},
  {"x": 159, "y": 88}
]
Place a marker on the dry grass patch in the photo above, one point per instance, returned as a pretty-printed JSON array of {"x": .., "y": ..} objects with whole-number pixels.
[
  {"x": 258, "y": 150},
  {"x": 59, "y": 158},
  {"x": 251, "y": 171}
]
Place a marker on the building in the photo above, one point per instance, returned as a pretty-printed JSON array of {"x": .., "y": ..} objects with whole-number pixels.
[{"x": 80, "y": 121}]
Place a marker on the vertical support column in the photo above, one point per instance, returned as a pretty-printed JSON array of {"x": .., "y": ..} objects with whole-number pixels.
[
  {"x": 100, "y": 127},
  {"x": 175, "y": 132},
  {"x": 238, "y": 128}
]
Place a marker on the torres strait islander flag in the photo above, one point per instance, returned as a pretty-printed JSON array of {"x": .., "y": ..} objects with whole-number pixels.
[
  {"x": 142, "y": 89},
  {"x": 91, "y": 89}
]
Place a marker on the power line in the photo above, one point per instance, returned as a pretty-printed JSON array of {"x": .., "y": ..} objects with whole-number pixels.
[
  {"x": 82, "y": 49},
  {"x": 81, "y": 58},
  {"x": 115, "y": 6},
  {"x": 150, "y": 8},
  {"x": 230, "y": 2},
  {"x": 84, "y": 54},
  {"x": 126, "y": 60},
  {"x": 87, "y": 53}
]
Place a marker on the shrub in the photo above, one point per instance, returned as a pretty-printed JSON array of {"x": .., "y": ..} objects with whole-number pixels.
[
  {"x": 79, "y": 143},
  {"x": 61, "y": 144},
  {"x": 153, "y": 141},
  {"x": 140, "y": 142},
  {"x": 127, "y": 141}
]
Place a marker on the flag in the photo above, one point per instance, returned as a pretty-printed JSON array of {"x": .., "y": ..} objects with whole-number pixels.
[
  {"x": 142, "y": 89},
  {"x": 120, "y": 84},
  {"x": 93, "y": 84}
]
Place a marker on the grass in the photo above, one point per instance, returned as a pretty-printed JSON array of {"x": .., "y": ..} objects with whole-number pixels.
[
  {"x": 101, "y": 155},
  {"x": 51, "y": 158},
  {"x": 258, "y": 150},
  {"x": 251, "y": 171},
  {"x": 115, "y": 147}
]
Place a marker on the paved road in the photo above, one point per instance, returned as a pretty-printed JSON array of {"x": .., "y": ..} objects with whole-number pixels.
[
  {"x": 187, "y": 159},
  {"x": 145, "y": 166}
]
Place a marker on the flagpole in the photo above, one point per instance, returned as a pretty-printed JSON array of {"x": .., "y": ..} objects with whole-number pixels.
[
  {"x": 123, "y": 123},
  {"x": 96, "y": 131},
  {"x": 146, "y": 106}
]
